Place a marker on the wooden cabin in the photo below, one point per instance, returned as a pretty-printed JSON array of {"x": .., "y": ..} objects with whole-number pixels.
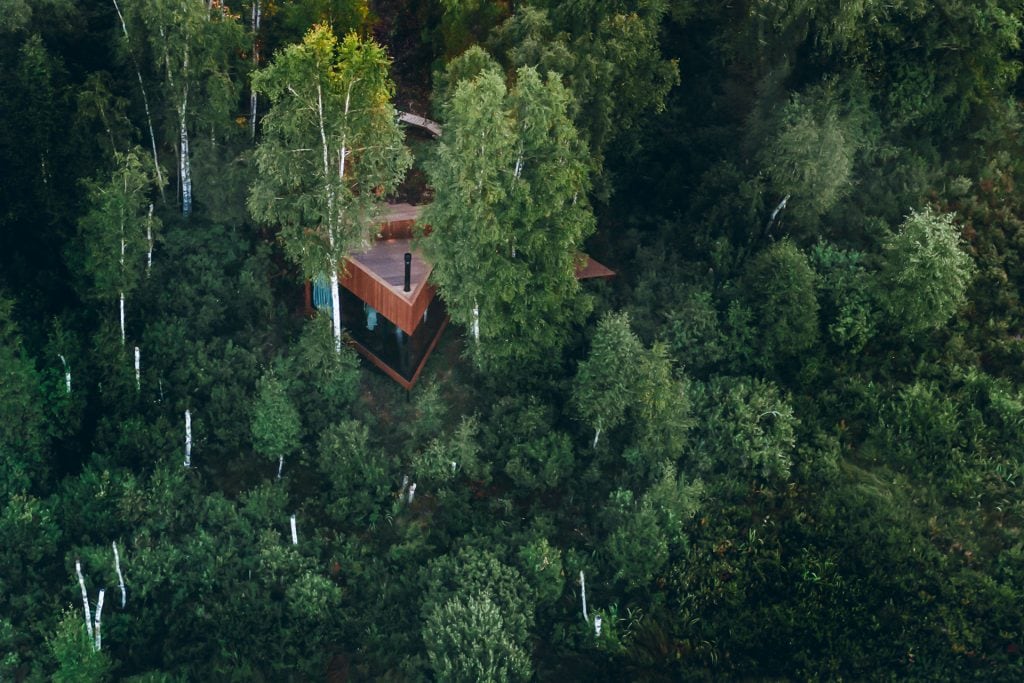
[
  {"x": 390, "y": 310},
  {"x": 388, "y": 307}
]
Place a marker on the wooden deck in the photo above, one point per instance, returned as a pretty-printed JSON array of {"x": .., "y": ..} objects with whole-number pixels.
[
  {"x": 397, "y": 213},
  {"x": 397, "y": 221}
]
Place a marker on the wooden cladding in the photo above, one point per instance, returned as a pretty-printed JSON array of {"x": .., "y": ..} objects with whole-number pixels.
[
  {"x": 404, "y": 312},
  {"x": 396, "y": 230}
]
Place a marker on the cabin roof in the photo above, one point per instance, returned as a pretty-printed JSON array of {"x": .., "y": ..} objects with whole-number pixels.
[
  {"x": 384, "y": 261},
  {"x": 377, "y": 276}
]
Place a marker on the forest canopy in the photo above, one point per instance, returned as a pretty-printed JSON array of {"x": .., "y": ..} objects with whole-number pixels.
[{"x": 784, "y": 442}]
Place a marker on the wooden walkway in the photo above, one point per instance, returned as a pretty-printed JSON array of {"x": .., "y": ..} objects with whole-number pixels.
[{"x": 432, "y": 127}]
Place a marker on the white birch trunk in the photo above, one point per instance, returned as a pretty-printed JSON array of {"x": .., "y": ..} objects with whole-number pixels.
[
  {"x": 149, "y": 239},
  {"x": 335, "y": 306},
  {"x": 597, "y": 435},
  {"x": 335, "y": 291},
  {"x": 122, "y": 272},
  {"x": 188, "y": 438},
  {"x": 597, "y": 624},
  {"x": 145, "y": 101},
  {"x": 295, "y": 533},
  {"x": 476, "y": 323},
  {"x": 85, "y": 598},
  {"x": 583, "y": 596},
  {"x": 280, "y": 466},
  {"x": 99, "y": 614},
  {"x": 184, "y": 157},
  {"x": 67, "y": 373},
  {"x": 185, "y": 168},
  {"x": 412, "y": 492},
  {"x": 138, "y": 372},
  {"x": 120, "y": 577},
  {"x": 253, "y": 100}
]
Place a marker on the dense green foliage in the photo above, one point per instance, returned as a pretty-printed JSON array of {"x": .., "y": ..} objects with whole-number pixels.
[
  {"x": 509, "y": 212},
  {"x": 784, "y": 443}
]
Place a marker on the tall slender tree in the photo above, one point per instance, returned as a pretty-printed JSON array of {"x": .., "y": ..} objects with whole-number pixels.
[
  {"x": 331, "y": 150},
  {"x": 192, "y": 43},
  {"x": 129, "y": 48},
  {"x": 118, "y": 229},
  {"x": 509, "y": 215}
]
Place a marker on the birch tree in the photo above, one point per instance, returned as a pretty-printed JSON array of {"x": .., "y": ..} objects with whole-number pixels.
[
  {"x": 191, "y": 43},
  {"x": 509, "y": 214},
  {"x": 604, "y": 384},
  {"x": 276, "y": 427},
  {"x": 116, "y": 232},
  {"x": 331, "y": 149},
  {"x": 129, "y": 48},
  {"x": 609, "y": 53}
]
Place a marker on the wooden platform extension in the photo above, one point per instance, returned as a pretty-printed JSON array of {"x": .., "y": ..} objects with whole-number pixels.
[{"x": 589, "y": 269}]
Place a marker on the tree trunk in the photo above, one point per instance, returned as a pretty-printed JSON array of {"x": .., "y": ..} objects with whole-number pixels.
[
  {"x": 188, "y": 438},
  {"x": 583, "y": 596},
  {"x": 256, "y": 15},
  {"x": 295, "y": 533},
  {"x": 597, "y": 435},
  {"x": 120, "y": 577},
  {"x": 185, "y": 160},
  {"x": 99, "y": 614},
  {"x": 67, "y": 373},
  {"x": 138, "y": 374},
  {"x": 325, "y": 149},
  {"x": 145, "y": 102},
  {"x": 185, "y": 167},
  {"x": 85, "y": 598},
  {"x": 476, "y": 323},
  {"x": 149, "y": 238},
  {"x": 122, "y": 273},
  {"x": 336, "y": 308},
  {"x": 122, "y": 318}
]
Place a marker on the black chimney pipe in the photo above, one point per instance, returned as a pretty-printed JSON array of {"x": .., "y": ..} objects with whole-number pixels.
[{"x": 408, "y": 272}]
